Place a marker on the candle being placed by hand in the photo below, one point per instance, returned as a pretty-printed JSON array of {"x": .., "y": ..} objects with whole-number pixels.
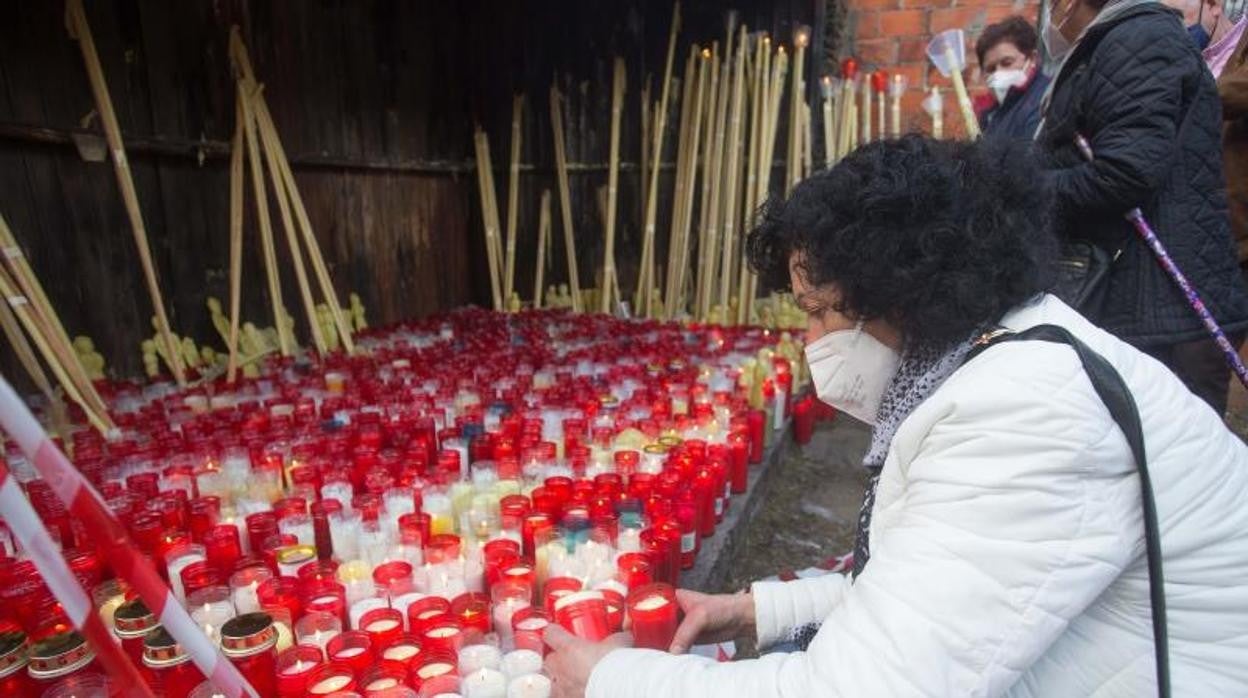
[{"x": 652, "y": 610}]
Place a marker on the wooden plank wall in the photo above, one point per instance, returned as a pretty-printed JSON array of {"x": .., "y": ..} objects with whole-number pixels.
[{"x": 375, "y": 101}]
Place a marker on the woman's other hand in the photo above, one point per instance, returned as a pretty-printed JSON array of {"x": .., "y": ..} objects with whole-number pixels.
[
  {"x": 572, "y": 660},
  {"x": 712, "y": 618}
]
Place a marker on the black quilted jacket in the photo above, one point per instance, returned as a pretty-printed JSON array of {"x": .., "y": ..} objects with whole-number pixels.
[{"x": 1139, "y": 91}]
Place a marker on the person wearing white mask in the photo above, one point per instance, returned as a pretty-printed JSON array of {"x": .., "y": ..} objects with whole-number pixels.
[
  {"x": 1002, "y": 543},
  {"x": 1010, "y": 66}
]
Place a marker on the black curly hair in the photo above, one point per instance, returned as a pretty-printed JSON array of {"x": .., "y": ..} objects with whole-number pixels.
[{"x": 936, "y": 237}]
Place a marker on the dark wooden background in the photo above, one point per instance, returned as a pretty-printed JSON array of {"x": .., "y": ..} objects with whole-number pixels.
[{"x": 375, "y": 102}]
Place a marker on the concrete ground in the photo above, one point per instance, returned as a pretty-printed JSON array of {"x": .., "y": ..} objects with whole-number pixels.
[{"x": 812, "y": 507}]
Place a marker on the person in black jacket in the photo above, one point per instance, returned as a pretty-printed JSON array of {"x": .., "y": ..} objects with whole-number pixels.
[
  {"x": 1131, "y": 82},
  {"x": 1011, "y": 68}
]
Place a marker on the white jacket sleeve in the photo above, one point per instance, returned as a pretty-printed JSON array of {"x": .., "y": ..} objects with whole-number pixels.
[
  {"x": 997, "y": 532},
  {"x": 780, "y": 607}
]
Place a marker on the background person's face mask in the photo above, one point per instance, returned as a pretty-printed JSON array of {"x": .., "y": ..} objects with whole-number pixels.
[
  {"x": 851, "y": 370},
  {"x": 1004, "y": 79}
]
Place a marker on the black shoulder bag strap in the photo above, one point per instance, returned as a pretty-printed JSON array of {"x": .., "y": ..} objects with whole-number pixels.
[{"x": 1114, "y": 392}]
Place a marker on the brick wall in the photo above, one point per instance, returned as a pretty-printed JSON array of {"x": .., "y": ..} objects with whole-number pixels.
[{"x": 893, "y": 35}]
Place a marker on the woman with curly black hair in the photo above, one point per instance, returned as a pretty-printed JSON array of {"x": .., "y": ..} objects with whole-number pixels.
[{"x": 1002, "y": 546}]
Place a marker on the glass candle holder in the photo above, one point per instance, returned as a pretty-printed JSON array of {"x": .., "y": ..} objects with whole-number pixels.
[
  {"x": 362, "y": 607},
  {"x": 473, "y": 611},
  {"x": 393, "y": 578},
  {"x": 528, "y": 626},
  {"x": 353, "y": 648},
  {"x": 332, "y": 678},
  {"x": 445, "y": 634},
  {"x": 294, "y": 667},
  {"x": 402, "y": 602},
  {"x": 507, "y": 598},
  {"x": 131, "y": 623},
  {"x": 442, "y": 547},
  {"x": 584, "y": 614},
  {"x": 424, "y": 611},
  {"x": 479, "y": 656},
  {"x": 210, "y": 608},
  {"x": 529, "y": 686},
  {"x": 356, "y": 577},
  {"x": 404, "y": 650},
  {"x": 316, "y": 629},
  {"x": 518, "y": 663},
  {"x": 170, "y": 665},
  {"x": 243, "y": 587},
  {"x": 383, "y": 676},
  {"x": 290, "y": 559},
  {"x": 383, "y": 625},
  {"x": 176, "y": 560},
  {"x": 344, "y": 533},
  {"x": 249, "y": 641},
  {"x": 483, "y": 683},
  {"x": 300, "y": 526},
  {"x": 615, "y": 608},
  {"x": 326, "y": 596},
  {"x": 556, "y": 588},
  {"x": 281, "y": 592},
  {"x": 435, "y": 670}
]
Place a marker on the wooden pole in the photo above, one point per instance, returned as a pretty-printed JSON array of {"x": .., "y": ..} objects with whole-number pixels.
[
  {"x": 513, "y": 199},
  {"x": 643, "y": 172},
  {"x": 236, "y": 237},
  {"x": 646, "y": 272},
  {"x": 865, "y": 135},
  {"x": 543, "y": 238},
  {"x": 79, "y": 29},
  {"x": 37, "y": 329},
  {"x": 779, "y": 69},
  {"x": 482, "y": 146},
  {"x": 565, "y": 196},
  {"x": 677, "y": 247},
  {"x": 710, "y": 180},
  {"x": 730, "y": 185},
  {"x": 264, "y": 121},
  {"x": 28, "y": 284},
  {"x": 829, "y": 148},
  {"x": 613, "y": 181},
  {"x": 800, "y": 38},
  {"x": 267, "y": 249},
  {"x": 281, "y": 194},
  {"x": 964, "y": 100}
]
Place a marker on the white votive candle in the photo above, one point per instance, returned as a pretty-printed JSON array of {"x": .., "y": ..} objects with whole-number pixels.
[
  {"x": 519, "y": 663},
  {"x": 531, "y": 686},
  {"x": 474, "y": 657},
  {"x": 484, "y": 683}
]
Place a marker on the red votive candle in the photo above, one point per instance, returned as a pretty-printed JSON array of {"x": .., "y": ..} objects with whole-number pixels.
[
  {"x": 404, "y": 650},
  {"x": 281, "y": 592},
  {"x": 615, "y": 609},
  {"x": 383, "y": 625},
  {"x": 496, "y": 554},
  {"x": 635, "y": 570},
  {"x": 441, "y": 548},
  {"x": 739, "y": 457},
  {"x": 472, "y": 610},
  {"x": 436, "y": 671},
  {"x": 383, "y": 676},
  {"x": 317, "y": 571},
  {"x": 248, "y": 641},
  {"x": 529, "y": 624},
  {"x": 653, "y": 612},
  {"x": 131, "y": 623},
  {"x": 61, "y": 657},
  {"x": 353, "y": 648},
  {"x": 445, "y": 635},
  {"x": 294, "y": 667},
  {"x": 172, "y": 667},
  {"x": 14, "y": 655},
  {"x": 555, "y": 589},
  {"x": 200, "y": 575},
  {"x": 424, "y": 611},
  {"x": 413, "y": 529},
  {"x": 804, "y": 420},
  {"x": 260, "y": 526},
  {"x": 326, "y": 596},
  {"x": 222, "y": 547},
  {"x": 532, "y": 528},
  {"x": 755, "y": 421},
  {"x": 329, "y": 679},
  {"x": 584, "y": 614},
  {"x": 394, "y": 577},
  {"x": 519, "y": 572}
]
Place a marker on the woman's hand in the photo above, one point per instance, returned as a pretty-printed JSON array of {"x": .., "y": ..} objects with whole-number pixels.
[
  {"x": 572, "y": 659},
  {"x": 712, "y": 618}
]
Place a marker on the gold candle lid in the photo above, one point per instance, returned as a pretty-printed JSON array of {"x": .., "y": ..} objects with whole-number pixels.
[
  {"x": 13, "y": 652},
  {"x": 248, "y": 634},
  {"x": 160, "y": 650},
  {"x": 59, "y": 655},
  {"x": 133, "y": 619}
]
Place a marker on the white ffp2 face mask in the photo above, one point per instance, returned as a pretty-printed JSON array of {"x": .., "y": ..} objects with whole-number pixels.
[
  {"x": 850, "y": 370},
  {"x": 1004, "y": 79}
]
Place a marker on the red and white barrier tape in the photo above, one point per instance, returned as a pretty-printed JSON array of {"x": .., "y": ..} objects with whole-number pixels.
[
  {"x": 82, "y": 501},
  {"x": 37, "y": 543}
]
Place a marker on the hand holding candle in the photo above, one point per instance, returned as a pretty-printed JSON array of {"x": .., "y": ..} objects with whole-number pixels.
[
  {"x": 572, "y": 660},
  {"x": 712, "y": 618}
]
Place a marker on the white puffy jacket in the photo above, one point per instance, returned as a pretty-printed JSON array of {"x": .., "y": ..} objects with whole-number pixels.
[{"x": 1007, "y": 553}]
